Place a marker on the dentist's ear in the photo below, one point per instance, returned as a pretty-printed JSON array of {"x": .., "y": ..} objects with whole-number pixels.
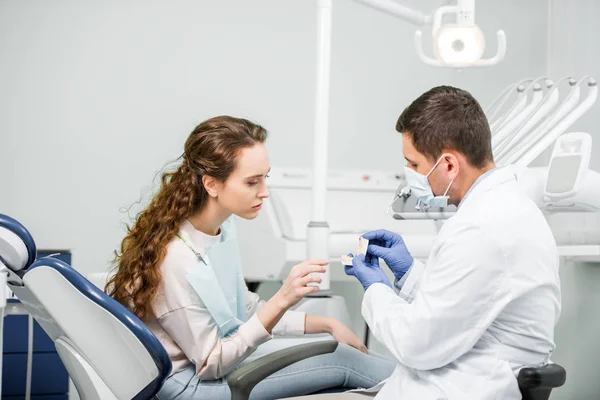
[
  {"x": 451, "y": 164},
  {"x": 210, "y": 185}
]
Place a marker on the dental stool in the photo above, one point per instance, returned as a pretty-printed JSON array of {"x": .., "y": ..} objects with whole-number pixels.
[
  {"x": 108, "y": 352},
  {"x": 537, "y": 383}
]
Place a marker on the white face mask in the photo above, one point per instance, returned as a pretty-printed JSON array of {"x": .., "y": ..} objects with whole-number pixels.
[{"x": 418, "y": 185}]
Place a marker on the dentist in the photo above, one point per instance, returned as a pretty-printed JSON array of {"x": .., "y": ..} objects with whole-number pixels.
[{"x": 485, "y": 303}]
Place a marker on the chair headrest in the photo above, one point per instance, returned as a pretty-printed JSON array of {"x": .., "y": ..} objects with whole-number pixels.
[{"x": 17, "y": 247}]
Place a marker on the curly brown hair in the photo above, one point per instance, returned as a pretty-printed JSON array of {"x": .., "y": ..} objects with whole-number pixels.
[{"x": 211, "y": 149}]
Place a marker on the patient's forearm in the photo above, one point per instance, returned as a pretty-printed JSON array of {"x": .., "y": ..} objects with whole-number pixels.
[
  {"x": 317, "y": 324},
  {"x": 270, "y": 314}
]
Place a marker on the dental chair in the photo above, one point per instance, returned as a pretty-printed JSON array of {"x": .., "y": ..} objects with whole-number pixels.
[{"x": 110, "y": 354}]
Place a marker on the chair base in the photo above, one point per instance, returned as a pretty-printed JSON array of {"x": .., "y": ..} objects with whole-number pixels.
[{"x": 537, "y": 394}]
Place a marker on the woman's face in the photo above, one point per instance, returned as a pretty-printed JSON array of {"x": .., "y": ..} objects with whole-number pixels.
[{"x": 245, "y": 190}]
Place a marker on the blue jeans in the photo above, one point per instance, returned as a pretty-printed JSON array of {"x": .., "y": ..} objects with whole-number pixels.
[{"x": 345, "y": 367}]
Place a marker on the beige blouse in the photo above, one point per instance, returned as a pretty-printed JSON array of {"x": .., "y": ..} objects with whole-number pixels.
[{"x": 185, "y": 327}]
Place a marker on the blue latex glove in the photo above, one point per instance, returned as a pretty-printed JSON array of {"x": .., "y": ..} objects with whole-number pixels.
[
  {"x": 391, "y": 248},
  {"x": 367, "y": 271}
]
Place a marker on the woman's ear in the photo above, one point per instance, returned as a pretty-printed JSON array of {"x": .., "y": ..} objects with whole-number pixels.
[{"x": 210, "y": 185}]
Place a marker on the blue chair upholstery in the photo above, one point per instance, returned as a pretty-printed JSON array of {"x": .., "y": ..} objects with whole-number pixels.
[{"x": 17, "y": 228}]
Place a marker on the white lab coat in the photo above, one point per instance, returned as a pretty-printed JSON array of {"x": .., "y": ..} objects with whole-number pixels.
[{"x": 483, "y": 306}]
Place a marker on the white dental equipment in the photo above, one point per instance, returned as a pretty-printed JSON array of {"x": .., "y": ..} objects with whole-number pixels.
[
  {"x": 496, "y": 122},
  {"x": 492, "y": 111},
  {"x": 525, "y": 136},
  {"x": 526, "y": 154},
  {"x": 568, "y": 167},
  {"x": 505, "y": 141},
  {"x": 516, "y": 108},
  {"x": 512, "y": 124},
  {"x": 529, "y": 97},
  {"x": 457, "y": 45}
]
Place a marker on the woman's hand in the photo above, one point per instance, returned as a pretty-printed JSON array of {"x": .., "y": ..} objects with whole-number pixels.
[
  {"x": 293, "y": 290},
  {"x": 295, "y": 286},
  {"x": 343, "y": 334}
]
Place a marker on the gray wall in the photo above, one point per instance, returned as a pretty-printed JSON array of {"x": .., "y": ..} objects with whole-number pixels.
[{"x": 574, "y": 43}]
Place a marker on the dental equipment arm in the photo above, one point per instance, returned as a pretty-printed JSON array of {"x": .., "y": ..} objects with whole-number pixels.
[
  {"x": 539, "y": 109},
  {"x": 526, "y": 154},
  {"x": 516, "y": 108},
  {"x": 568, "y": 104},
  {"x": 398, "y": 10},
  {"x": 512, "y": 123},
  {"x": 512, "y": 139},
  {"x": 519, "y": 109},
  {"x": 493, "y": 112},
  {"x": 499, "y": 101}
]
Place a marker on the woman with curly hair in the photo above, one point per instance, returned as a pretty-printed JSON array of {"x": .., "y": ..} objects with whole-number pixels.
[{"x": 180, "y": 272}]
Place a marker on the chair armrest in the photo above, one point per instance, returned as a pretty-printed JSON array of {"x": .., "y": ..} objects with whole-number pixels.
[
  {"x": 548, "y": 376},
  {"x": 242, "y": 380}
]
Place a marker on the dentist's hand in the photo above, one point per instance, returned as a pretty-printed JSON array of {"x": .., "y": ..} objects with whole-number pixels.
[
  {"x": 391, "y": 248},
  {"x": 367, "y": 270}
]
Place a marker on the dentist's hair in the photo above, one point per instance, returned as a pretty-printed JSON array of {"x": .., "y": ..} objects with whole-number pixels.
[
  {"x": 449, "y": 118},
  {"x": 211, "y": 149}
]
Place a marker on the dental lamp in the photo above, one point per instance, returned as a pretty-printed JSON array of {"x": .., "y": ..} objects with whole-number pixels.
[{"x": 458, "y": 45}]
